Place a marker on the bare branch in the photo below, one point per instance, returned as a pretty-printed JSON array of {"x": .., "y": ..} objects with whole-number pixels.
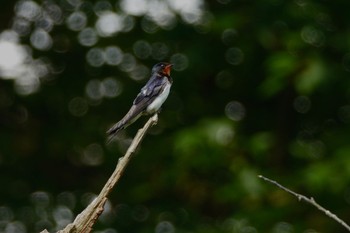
[
  {"x": 84, "y": 222},
  {"x": 310, "y": 200}
]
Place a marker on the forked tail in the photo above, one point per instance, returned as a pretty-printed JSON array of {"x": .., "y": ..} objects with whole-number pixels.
[{"x": 133, "y": 114}]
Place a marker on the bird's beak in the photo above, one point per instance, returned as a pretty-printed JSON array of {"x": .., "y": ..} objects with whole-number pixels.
[{"x": 167, "y": 69}]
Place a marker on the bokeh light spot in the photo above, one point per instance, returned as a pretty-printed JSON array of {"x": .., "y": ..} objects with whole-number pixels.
[
  {"x": 28, "y": 83},
  {"x": 161, "y": 14},
  {"x": 9, "y": 35},
  {"x": 87, "y": 198},
  {"x": 139, "y": 72},
  {"x": 11, "y": 56},
  {"x": 29, "y": 10},
  {"x": 229, "y": 36},
  {"x": 77, "y": 21},
  {"x": 21, "y": 26},
  {"x": 224, "y": 135},
  {"x": 128, "y": 23},
  {"x": 283, "y": 227},
  {"x": 40, "y": 198},
  {"x": 235, "y": 111},
  {"x": 134, "y": 7},
  {"x": 114, "y": 55},
  {"x": 140, "y": 213},
  {"x": 75, "y": 3},
  {"x": 41, "y": 40},
  {"x": 148, "y": 25},
  {"x": 88, "y": 37},
  {"x": 95, "y": 57},
  {"x": 180, "y": 61},
  {"x": 224, "y": 79},
  {"x": 165, "y": 227},
  {"x": 67, "y": 199},
  {"x": 159, "y": 51},
  {"x": 112, "y": 87},
  {"x": 109, "y": 23},
  {"x": 93, "y": 89},
  {"x": 53, "y": 11},
  {"x": 15, "y": 227},
  {"x": 93, "y": 155},
  {"x": 78, "y": 106},
  {"x": 102, "y": 6},
  {"x": 234, "y": 56},
  {"x": 191, "y": 11},
  {"x": 313, "y": 36},
  {"x": 142, "y": 49},
  {"x": 302, "y": 104},
  {"x": 128, "y": 62},
  {"x": 45, "y": 23},
  {"x": 62, "y": 216}
]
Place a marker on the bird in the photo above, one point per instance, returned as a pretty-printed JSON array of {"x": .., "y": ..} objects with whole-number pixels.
[{"x": 149, "y": 100}]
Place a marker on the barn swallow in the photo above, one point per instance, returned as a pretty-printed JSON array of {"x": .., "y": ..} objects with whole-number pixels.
[{"x": 149, "y": 100}]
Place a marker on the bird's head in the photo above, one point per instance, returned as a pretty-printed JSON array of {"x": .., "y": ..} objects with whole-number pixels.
[{"x": 162, "y": 68}]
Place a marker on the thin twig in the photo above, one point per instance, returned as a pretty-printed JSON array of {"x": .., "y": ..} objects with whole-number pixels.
[
  {"x": 310, "y": 200},
  {"x": 85, "y": 220}
]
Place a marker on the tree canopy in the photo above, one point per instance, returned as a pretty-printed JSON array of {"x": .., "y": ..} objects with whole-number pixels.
[{"x": 260, "y": 87}]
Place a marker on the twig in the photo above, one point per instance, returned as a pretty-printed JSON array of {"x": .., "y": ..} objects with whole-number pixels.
[
  {"x": 308, "y": 200},
  {"x": 85, "y": 220}
]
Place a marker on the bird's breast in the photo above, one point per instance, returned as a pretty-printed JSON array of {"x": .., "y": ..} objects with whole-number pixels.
[{"x": 159, "y": 100}]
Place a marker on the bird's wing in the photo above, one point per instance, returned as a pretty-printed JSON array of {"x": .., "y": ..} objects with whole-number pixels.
[{"x": 149, "y": 92}]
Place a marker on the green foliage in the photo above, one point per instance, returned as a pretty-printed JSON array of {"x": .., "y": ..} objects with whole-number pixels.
[{"x": 260, "y": 87}]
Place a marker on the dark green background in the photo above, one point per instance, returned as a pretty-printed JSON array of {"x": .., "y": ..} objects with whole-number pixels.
[{"x": 265, "y": 90}]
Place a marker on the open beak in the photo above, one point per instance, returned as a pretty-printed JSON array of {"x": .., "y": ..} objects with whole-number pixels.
[{"x": 167, "y": 69}]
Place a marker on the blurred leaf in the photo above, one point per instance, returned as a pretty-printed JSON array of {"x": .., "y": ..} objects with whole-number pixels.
[
  {"x": 311, "y": 77},
  {"x": 279, "y": 67},
  {"x": 259, "y": 86}
]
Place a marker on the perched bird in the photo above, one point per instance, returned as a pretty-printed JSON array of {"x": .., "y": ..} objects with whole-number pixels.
[{"x": 149, "y": 100}]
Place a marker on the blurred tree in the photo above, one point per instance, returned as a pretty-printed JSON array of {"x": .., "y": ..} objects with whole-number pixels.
[{"x": 259, "y": 87}]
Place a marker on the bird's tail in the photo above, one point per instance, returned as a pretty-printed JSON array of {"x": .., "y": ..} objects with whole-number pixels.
[{"x": 128, "y": 119}]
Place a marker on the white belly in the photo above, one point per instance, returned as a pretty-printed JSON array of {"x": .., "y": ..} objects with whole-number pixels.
[{"x": 157, "y": 102}]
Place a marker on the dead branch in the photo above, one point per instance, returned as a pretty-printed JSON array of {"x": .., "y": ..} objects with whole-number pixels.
[
  {"x": 310, "y": 200},
  {"x": 84, "y": 222}
]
